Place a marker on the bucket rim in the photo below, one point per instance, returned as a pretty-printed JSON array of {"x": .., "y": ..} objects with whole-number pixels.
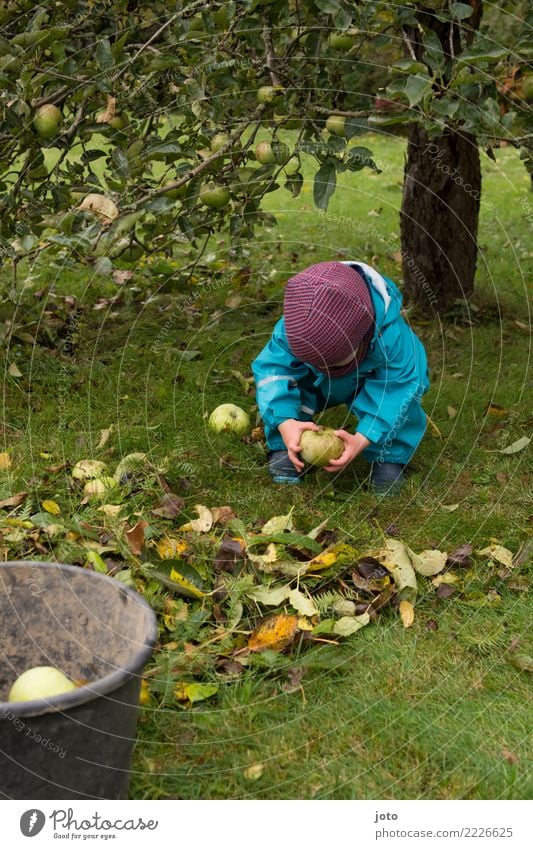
[{"x": 102, "y": 686}]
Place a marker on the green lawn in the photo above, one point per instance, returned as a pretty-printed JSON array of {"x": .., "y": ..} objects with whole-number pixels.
[{"x": 435, "y": 711}]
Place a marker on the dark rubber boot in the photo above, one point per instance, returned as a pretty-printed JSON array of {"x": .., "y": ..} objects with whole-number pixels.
[
  {"x": 387, "y": 478},
  {"x": 281, "y": 469}
]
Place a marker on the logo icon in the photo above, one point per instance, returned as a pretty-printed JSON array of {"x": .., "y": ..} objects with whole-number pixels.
[{"x": 32, "y": 822}]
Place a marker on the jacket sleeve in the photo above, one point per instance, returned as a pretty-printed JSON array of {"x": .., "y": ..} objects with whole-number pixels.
[
  {"x": 389, "y": 393},
  {"x": 277, "y": 372}
]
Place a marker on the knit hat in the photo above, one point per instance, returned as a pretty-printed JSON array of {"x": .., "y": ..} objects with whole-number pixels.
[{"x": 329, "y": 316}]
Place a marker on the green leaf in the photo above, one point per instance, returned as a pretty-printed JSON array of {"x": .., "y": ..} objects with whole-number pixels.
[
  {"x": 104, "y": 54},
  {"x": 324, "y": 185},
  {"x": 416, "y": 87},
  {"x": 461, "y": 11},
  {"x": 348, "y": 625},
  {"x": 294, "y": 184},
  {"x": 330, "y": 7}
]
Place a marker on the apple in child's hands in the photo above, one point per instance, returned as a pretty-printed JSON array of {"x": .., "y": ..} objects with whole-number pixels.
[
  {"x": 291, "y": 431},
  {"x": 40, "y": 682},
  {"x": 320, "y": 446},
  {"x": 354, "y": 443}
]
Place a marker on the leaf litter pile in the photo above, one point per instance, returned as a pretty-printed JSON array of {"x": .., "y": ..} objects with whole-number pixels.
[{"x": 232, "y": 598}]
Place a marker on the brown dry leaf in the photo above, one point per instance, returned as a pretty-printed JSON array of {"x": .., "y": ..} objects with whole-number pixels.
[
  {"x": 108, "y": 113},
  {"x": 407, "y": 613},
  {"x": 509, "y": 756},
  {"x": 102, "y": 206},
  {"x": 496, "y": 410},
  {"x": 58, "y": 467},
  {"x": 276, "y": 633},
  {"x": 135, "y": 537},
  {"x": 461, "y": 555},
  {"x": 230, "y": 553},
  {"x": 222, "y": 515},
  {"x": 502, "y": 477},
  {"x": 170, "y": 506},
  {"x": 5, "y": 461},
  {"x": 204, "y": 522},
  {"x": 522, "y": 325},
  {"x": 445, "y": 591},
  {"x": 15, "y": 500}
]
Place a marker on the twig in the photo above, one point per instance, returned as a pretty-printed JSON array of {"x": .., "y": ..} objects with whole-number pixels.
[
  {"x": 156, "y": 35},
  {"x": 270, "y": 56}
]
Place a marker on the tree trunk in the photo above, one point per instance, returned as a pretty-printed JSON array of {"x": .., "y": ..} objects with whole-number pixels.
[{"x": 439, "y": 218}]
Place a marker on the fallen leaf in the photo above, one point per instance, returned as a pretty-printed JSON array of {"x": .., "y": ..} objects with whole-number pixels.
[
  {"x": 14, "y": 370},
  {"x": 452, "y": 411},
  {"x": 204, "y": 522},
  {"x": 522, "y": 325},
  {"x": 430, "y": 562},
  {"x": 275, "y": 633},
  {"x": 461, "y": 555},
  {"x": 170, "y": 547},
  {"x": 278, "y": 524},
  {"x": 522, "y": 662},
  {"x": 450, "y": 508},
  {"x": 509, "y": 756},
  {"x": 496, "y": 410},
  {"x": 407, "y": 613},
  {"x": 348, "y": 625},
  {"x": 194, "y": 692},
  {"x": 435, "y": 430},
  {"x": 499, "y": 553},
  {"x": 97, "y": 562},
  {"x": 254, "y": 772},
  {"x": 397, "y": 560},
  {"x": 502, "y": 477},
  {"x": 447, "y": 578},
  {"x": 230, "y": 553},
  {"x": 302, "y": 603},
  {"x": 517, "y": 446},
  {"x": 58, "y": 467},
  {"x": 5, "y": 461},
  {"x": 221, "y": 515},
  {"x": 170, "y": 506},
  {"x": 445, "y": 591},
  {"x": 111, "y": 510},
  {"x": 104, "y": 436},
  {"x": 14, "y": 500},
  {"x": 272, "y": 596},
  {"x": 135, "y": 537},
  {"x": 263, "y": 561},
  {"x": 51, "y": 507}
]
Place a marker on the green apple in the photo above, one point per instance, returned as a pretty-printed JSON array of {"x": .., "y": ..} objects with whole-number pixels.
[
  {"x": 131, "y": 253},
  {"x": 269, "y": 94},
  {"x": 228, "y": 418},
  {"x": 343, "y": 40},
  {"x": 335, "y": 125},
  {"x": 175, "y": 194},
  {"x": 47, "y": 120},
  {"x": 87, "y": 469},
  {"x": 214, "y": 195},
  {"x": 99, "y": 488},
  {"x": 219, "y": 140},
  {"x": 40, "y": 682},
  {"x": 320, "y": 446},
  {"x": 264, "y": 153}
]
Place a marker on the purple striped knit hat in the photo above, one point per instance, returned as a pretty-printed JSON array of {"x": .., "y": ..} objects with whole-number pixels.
[{"x": 329, "y": 316}]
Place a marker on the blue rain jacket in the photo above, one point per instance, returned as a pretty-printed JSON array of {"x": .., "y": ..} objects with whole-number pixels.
[{"x": 384, "y": 391}]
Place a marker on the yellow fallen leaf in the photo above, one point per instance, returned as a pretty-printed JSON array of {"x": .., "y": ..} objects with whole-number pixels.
[
  {"x": 499, "y": 553},
  {"x": 433, "y": 426},
  {"x": 169, "y": 547},
  {"x": 407, "y": 613},
  {"x": 447, "y": 578},
  {"x": 5, "y": 461},
  {"x": 14, "y": 370},
  {"x": 111, "y": 510},
  {"x": 322, "y": 561},
  {"x": 452, "y": 411},
  {"x": 178, "y": 578},
  {"x": 254, "y": 772},
  {"x": 275, "y": 633},
  {"x": 51, "y": 507},
  {"x": 430, "y": 562},
  {"x": 201, "y": 525},
  {"x": 144, "y": 695}
]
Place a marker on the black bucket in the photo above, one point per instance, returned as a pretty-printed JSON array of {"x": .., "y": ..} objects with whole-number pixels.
[{"x": 77, "y": 745}]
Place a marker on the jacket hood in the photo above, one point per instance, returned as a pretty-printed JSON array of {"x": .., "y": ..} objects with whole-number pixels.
[{"x": 386, "y": 297}]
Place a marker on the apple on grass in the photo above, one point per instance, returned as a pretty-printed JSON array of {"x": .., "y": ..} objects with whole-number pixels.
[
  {"x": 40, "y": 682},
  {"x": 228, "y": 418},
  {"x": 320, "y": 446}
]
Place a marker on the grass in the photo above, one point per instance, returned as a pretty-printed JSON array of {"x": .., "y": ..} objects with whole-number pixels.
[{"x": 436, "y": 711}]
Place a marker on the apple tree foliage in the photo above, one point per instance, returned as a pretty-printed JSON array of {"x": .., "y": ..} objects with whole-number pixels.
[{"x": 130, "y": 129}]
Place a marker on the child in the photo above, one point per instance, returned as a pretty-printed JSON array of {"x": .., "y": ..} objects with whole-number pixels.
[{"x": 342, "y": 340}]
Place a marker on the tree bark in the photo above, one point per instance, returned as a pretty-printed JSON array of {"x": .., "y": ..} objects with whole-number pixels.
[{"x": 439, "y": 218}]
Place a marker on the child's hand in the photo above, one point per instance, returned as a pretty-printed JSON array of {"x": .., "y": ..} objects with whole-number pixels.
[
  {"x": 290, "y": 431},
  {"x": 354, "y": 443}
]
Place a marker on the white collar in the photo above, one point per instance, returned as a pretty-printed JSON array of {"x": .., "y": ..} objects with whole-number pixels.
[{"x": 375, "y": 278}]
